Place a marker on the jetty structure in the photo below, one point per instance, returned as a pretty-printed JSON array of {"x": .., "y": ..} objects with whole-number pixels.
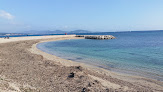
[{"x": 96, "y": 36}]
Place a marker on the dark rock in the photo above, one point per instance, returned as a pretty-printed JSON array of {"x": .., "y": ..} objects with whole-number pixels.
[
  {"x": 89, "y": 84},
  {"x": 96, "y": 81},
  {"x": 71, "y": 75},
  {"x": 84, "y": 90},
  {"x": 107, "y": 90},
  {"x": 79, "y": 68}
]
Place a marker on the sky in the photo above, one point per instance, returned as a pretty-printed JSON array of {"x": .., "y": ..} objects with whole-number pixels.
[{"x": 93, "y": 15}]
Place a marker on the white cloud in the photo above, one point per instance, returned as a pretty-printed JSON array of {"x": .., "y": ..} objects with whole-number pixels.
[{"x": 6, "y": 15}]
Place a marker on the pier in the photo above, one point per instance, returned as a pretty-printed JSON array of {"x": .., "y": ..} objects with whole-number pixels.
[{"x": 97, "y": 36}]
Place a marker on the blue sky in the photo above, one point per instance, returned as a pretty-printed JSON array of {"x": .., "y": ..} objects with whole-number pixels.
[{"x": 93, "y": 15}]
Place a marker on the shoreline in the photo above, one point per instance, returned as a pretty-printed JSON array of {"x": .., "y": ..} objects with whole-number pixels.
[
  {"x": 97, "y": 67},
  {"x": 66, "y": 62},
  {"x": 106, "y": 79}
]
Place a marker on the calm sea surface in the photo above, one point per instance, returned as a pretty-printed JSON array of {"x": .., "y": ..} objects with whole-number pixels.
[{"x": 135, "y": 53}]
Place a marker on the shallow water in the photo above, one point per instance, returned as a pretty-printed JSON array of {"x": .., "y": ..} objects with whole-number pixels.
[{"x": 136, "y": 53}]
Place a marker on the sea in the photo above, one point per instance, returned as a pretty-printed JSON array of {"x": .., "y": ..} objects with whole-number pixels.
[{"x": 138, "y": 53}]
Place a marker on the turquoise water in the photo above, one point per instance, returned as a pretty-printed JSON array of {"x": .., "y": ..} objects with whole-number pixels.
[{"x": 136, "y": 53}]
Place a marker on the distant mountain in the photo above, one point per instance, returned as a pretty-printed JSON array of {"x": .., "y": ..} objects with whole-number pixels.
[
  {"x": 55, "y": 32},
  {"x": 45, "y": 32},
  {"x": 80, "y": 31},
  {"x": 59, "y": 32}
]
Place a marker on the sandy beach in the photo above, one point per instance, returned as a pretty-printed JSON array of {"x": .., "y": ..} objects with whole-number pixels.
[{"x": 24, "y": 68}]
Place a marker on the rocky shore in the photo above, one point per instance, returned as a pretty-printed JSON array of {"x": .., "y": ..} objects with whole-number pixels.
[{"x": 24, "y": 68}]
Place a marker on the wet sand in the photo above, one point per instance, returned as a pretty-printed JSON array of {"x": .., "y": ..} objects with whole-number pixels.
[{"x": 25, "y": 68}]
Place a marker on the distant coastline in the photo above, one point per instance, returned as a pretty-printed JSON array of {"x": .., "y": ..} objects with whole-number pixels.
[{"x": 60, "y": 32}]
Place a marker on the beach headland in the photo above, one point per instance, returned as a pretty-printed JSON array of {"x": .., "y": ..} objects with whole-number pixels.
[{"x": 25, "y": 68}]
